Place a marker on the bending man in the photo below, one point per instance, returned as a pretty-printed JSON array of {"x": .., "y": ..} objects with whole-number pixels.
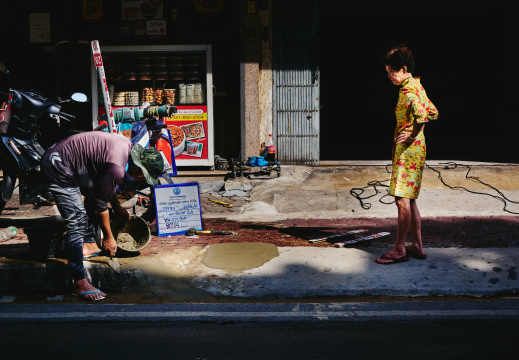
[{"x": 91, "y": 164}]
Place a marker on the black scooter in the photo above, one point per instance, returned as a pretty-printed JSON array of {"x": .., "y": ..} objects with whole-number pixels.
[{"x": 20, "y": 152}]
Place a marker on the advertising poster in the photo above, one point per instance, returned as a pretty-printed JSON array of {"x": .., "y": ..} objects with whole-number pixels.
[{"x": 188, "y": 130}]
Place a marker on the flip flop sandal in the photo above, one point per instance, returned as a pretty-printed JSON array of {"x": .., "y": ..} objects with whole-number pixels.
[
  {"x": 388, "y": 260},
  {"x": 84, "y": 297},
  {"x": 415, "y": 255},
  {"x": 93, "y": 255}
]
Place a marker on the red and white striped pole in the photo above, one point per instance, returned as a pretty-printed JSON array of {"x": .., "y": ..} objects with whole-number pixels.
[{"x": 98, "y": 62}]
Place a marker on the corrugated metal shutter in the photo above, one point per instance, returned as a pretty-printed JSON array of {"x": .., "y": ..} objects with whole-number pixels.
[{"x": 296, "y": 81}]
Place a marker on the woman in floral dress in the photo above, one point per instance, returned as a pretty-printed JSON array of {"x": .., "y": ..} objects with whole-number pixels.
[{"x": 413, "y": 110}]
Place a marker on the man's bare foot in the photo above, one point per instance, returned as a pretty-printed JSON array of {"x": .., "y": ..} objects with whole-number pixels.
[
  {"x": 90, "y": 249},
  {"x": 85, "y": 290}
]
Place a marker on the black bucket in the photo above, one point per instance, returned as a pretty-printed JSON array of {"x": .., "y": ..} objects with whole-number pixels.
[{"x": 45, "y": 240}]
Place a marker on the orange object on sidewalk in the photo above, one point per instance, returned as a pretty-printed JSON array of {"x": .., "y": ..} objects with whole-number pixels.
[{"x": 163, "y": 145}]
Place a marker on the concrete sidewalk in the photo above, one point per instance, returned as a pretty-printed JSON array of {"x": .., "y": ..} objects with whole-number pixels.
[{"x": 472, "y": 243}]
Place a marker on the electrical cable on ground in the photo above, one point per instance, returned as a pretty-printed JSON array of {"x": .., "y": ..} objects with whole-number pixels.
[
  {"x": 374, "y": 184},
  {"x": 501, "y": 198},
  {"x": 357, "y": 192}
]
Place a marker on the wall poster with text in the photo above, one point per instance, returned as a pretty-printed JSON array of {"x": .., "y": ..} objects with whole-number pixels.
[{"x": 189, "y": 131}]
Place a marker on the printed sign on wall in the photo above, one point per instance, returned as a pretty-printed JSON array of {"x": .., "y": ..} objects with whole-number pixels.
[{"x": 39, "y": 24}]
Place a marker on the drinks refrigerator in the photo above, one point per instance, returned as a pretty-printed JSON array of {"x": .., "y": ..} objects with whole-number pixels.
[{"x": 179, "y": 75}]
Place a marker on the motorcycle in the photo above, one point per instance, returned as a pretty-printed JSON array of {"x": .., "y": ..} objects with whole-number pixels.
[{"x": 20, "y": 151}]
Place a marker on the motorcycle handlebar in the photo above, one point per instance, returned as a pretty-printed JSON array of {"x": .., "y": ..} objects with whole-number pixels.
[{"x": 62, "y": 114}]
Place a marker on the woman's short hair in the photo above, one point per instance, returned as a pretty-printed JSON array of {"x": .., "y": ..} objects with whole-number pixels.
[{"x": 399, "y": 56}]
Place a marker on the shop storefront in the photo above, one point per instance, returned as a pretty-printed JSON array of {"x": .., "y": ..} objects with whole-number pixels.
[{"x": 154, "y": 76}]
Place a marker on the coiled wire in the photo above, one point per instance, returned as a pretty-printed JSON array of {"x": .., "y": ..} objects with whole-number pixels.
[{"x": 358, "y": 192}]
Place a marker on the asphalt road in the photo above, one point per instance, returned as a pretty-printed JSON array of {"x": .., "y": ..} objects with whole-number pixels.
[
  {"x": 460, "y": 339},
  {"x": 399, "y": 330}
]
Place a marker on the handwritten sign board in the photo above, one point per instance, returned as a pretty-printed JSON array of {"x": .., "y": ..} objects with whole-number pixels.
[{"x": 178, "y": 208}]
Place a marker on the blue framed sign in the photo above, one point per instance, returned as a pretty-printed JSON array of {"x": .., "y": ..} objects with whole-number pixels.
[{"x": 178, "y": 208}]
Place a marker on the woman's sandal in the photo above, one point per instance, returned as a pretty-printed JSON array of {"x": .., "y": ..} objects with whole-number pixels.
[
  {"x": 387, "y": 259},
  {"x": 412, "y": 253}
]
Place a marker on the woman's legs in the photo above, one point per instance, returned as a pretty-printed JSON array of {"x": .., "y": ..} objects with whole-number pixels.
[
  {"x": 408, "y": 217},
  {"x": 404, "y": 222},
  {"x": 416, "y": 247}
]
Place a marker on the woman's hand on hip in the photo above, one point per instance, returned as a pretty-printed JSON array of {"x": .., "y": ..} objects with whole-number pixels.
[{"x": 404, "y": 137}]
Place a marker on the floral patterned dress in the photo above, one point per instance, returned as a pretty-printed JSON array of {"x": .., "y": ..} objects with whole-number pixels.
[{"x": 409, "y": 159}]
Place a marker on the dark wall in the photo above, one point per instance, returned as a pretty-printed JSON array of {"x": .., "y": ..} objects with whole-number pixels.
[
  {"x": 34, "y": 65},
  {"x": 463, "y": 56},
  {"x": 463, "y": 52}
]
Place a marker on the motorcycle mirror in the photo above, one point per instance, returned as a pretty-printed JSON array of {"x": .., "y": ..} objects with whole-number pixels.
[{"x": 79, "y": 97}]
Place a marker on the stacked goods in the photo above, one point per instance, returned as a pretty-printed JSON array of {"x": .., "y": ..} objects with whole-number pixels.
[
  {"x": 147, "y": 95},
  {"x": 182, "y": 93},
  {"x": 122, "y": 98},
  {"x": 170, "y": 96},
  {"x": 132, "y": 98},
  {"x": 119, "y": 98},
  {"x": 198, "y": 94},
  {"x": 159, "y": 96},
  {"x": 190, "y": 93}
]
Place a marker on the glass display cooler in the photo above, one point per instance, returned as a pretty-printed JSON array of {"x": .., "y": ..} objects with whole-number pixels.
[{"x": 160, "y": 75}]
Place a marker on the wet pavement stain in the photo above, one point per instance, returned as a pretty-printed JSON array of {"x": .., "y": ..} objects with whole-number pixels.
[{"x": 239, "y": 256}]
